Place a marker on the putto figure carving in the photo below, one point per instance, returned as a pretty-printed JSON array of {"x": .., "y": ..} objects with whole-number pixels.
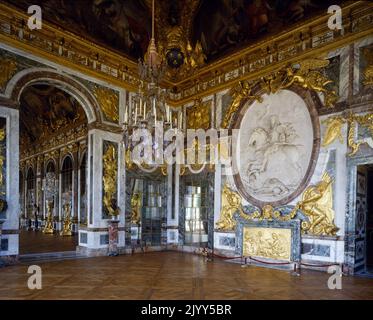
[{"x": 317, "y": 205}]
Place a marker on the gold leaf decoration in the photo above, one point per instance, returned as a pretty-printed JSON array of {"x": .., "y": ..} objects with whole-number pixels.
[
  {"x": 317, "y": 205},
  {"x": 8, "y": 68},
  {"x": 109, "y": 102},
  {"x": 110, "y": 180}
]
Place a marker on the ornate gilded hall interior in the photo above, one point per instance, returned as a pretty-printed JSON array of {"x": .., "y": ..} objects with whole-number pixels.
[{"x": 213, "y": 149}]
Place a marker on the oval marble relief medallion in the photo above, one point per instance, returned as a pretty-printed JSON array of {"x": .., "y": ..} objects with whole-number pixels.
[{"x": 276, "y": 147}]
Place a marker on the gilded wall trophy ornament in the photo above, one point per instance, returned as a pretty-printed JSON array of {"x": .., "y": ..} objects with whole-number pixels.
[
  {"x": 48, "y": 228},
  {"x": 198, "y": 116},
  {"x": 317, "y": 205},
  {"x": 8, "y": 69},
  {"x": 109, "y": 102},
  {"x": 110, "y": 180},
  {"x": 67, "y": 223}
]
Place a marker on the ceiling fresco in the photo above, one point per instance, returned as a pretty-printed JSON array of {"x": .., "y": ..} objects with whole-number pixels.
[
  {"x": 46, "y": 111},
  {"x": 221, "y": 26},
  {"x": 121, "y": 25},
  {"x": 233, "y": 24}
]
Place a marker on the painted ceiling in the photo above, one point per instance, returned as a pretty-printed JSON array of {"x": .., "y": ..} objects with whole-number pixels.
[
  {"x": 222, "y": 26},
  {"x": 46, "y": 111}
]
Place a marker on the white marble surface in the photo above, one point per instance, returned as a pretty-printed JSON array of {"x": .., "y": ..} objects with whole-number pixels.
[
  {"x": 357, "y": 75},
  {"x": 336, "y": 250},
  {"x": 12, "y": 178},
  {"x": 218, "y": 235}
]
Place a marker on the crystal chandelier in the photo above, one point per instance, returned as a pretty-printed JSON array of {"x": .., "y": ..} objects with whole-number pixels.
[{"x": 147, "y": 107}]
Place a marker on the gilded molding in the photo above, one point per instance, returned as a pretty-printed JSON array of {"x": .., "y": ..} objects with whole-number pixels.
[{"x": 313, "y": 38}]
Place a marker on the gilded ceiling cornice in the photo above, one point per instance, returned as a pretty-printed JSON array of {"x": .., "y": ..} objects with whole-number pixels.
[{"x": 306, "y": 40}]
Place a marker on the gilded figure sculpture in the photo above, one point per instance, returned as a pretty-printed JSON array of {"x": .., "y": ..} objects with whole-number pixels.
[
  {"x": 67, "y": 223},
  {"x": 304, "y": 74},
  {"x": 242, "y": 91},
  {"x": 136, "y": 208},
  {"x": 231, "y": 203},
  {"x": 48, "y": 228},
  {"x": 317, "y": 205},
  {"x": 110, "y": 180}
]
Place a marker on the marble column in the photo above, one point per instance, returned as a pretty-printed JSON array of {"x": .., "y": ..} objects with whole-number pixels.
[
  {"x": 10, "y": 226},
  {"x": 113, "y": 237},
  {"x": 94, "y": 238}
]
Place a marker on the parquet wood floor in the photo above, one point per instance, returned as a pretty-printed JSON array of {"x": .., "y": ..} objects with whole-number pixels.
[
  {"x": 38, "y": 242},
  {"x": 172, "y": 275}
]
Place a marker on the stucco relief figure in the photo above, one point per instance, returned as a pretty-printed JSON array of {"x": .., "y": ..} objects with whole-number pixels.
[
  {"x": 275, "y": 146},
  {"x": 275, "y": 141}
]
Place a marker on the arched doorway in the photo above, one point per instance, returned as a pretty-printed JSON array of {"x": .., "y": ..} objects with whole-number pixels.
[{"x": 53, "y": 137}]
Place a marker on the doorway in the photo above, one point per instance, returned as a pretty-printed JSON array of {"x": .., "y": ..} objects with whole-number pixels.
[
  {"x": 364, "y": 220},
  {"x": 53, "y": 140}
]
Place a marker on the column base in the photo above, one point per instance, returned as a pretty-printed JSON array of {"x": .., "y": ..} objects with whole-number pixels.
[{"x": 8, "y": 260}]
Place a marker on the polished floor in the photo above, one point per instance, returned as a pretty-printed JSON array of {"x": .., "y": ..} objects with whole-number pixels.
[
  {"x": 38, "y": 242},
  {"x": 172, "y": 275}
]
